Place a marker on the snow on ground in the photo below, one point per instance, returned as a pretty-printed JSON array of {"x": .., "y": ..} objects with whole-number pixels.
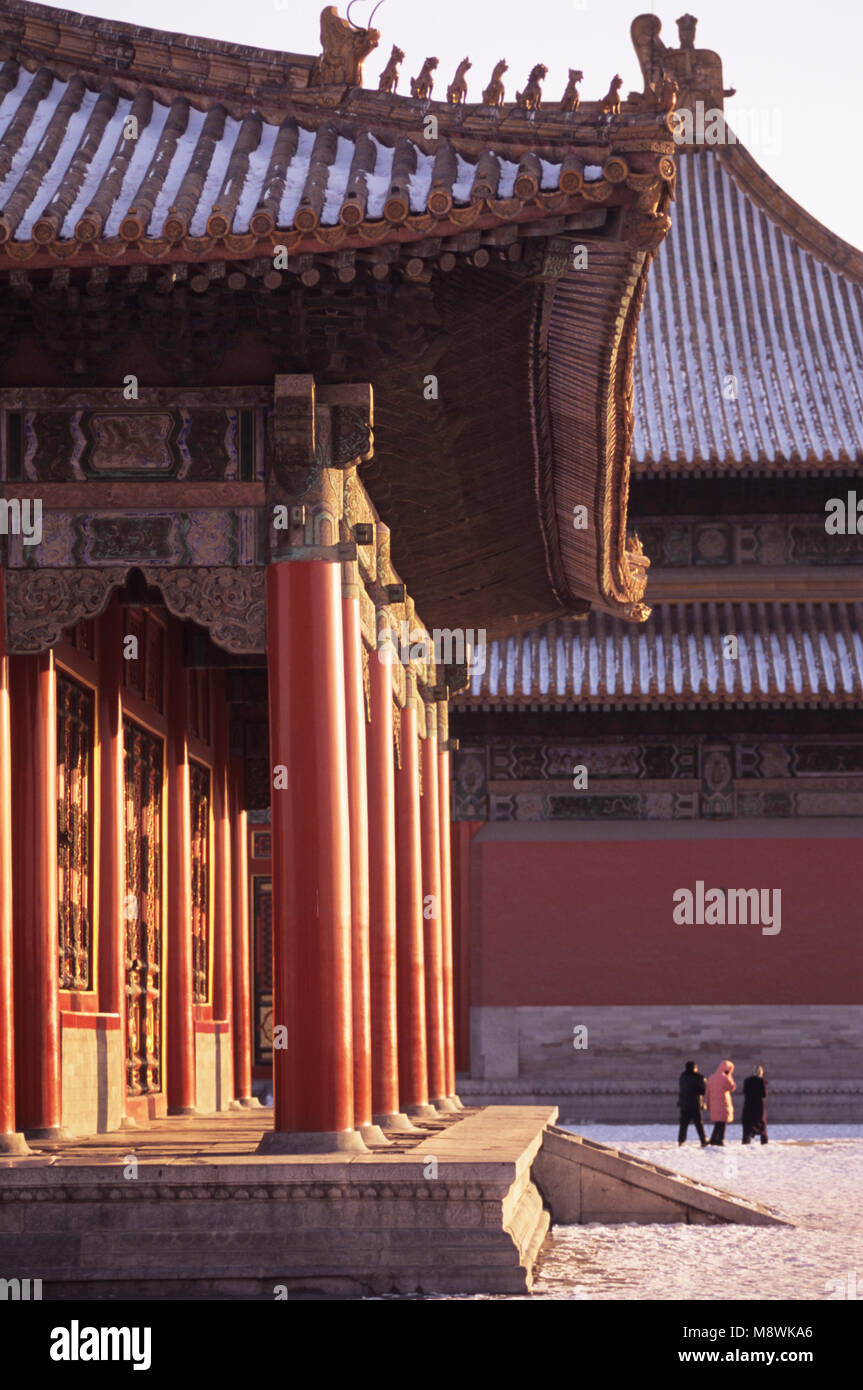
[{"x": 812, "y": 1173}]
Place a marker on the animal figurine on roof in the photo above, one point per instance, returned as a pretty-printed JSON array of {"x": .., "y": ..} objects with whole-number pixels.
[
  {"x": 421, "y": 87},
  {"x": 571, "y": 99},
  {"x": 389, "y": 78},
  {"x": 345, "y": 47},
  {"x": 665, "y": 92},
  {"x": 494, "y": 92},
  {"x": 456, "y": 92},
  {"x": 531, "y": 98},
  {"x": 611, "y": 101}
]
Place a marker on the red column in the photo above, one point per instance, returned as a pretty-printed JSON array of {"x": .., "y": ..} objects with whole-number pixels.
[
  {"x": 242, "y": 1002},
  {"x": 112, "y": 837},
  {"x": 359, "y": 837},
  {"x": 222, "y": 965},
  {"x": 432, "y": 917},
  {"x": 446, "y": 918},
  {"x": 181, "y": 1028},
  {"x": 413, "y": 1066},
  {"x": 382, "y": 897},
  {"x": 313, "y": 1073},
  {"x": 11, "y": 1141},
  {"x": 34, "y": 773}
]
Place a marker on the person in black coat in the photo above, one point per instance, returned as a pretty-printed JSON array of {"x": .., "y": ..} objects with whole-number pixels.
[
  {"x": 754, "y": 1117},
  {"x": 691, "y": 1089}
]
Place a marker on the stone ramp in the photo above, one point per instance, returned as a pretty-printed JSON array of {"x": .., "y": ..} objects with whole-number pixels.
[{"x": 581, "y": 1180}]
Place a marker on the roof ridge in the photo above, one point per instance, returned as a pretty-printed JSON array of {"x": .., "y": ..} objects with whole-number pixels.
[
  {"x": 813, "y": 236},
  {"x": 67, "y": 42}
]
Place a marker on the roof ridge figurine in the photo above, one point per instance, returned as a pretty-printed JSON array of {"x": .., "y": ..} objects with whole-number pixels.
[
  {"x": 389, "y": 78},
  {"x": 456, "y": 92},
  {"x": 531, "y": 98},
  {"x": 570, "y": 101},
  {"x": 611, "y": 101},
  {"x": 495, "y": 91},
  {"x": 345, "y": 47},
  {"x": 421, "y": 87}
]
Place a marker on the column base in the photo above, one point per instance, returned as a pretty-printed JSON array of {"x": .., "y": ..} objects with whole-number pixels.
[
  {"x": 183, "y": 1110},
  {"x": 14, "y": 1144},
  {"x": 424, "y": 1112},
  {"x": 457, "y": 1102},
  {"x": 312, "y": 1142},
  {"x": 372, "y": 1134},
  {"x": 129, "y": 1122},
  {"x": 51, "y": 1132},
  {"x": 445, "y": 1106},
  {"x": 249, "y": 1102},
  {"x": 396, "y": 1121}
]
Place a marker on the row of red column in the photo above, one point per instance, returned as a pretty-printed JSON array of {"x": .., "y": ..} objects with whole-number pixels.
[
  {"x": 30, "y": 1046},
  {"x": 362, "y": 982}
]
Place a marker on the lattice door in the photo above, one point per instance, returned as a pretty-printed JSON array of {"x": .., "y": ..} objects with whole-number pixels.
[
  {"x": 74, "y": 771},
  {"x": 262, "y": 953},
  {"x": 143, "y": 819},
  {"x": 199, "y": 787}
]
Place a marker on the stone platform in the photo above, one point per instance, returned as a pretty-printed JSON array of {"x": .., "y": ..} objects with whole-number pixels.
[{"x": 187, "y": 1209}]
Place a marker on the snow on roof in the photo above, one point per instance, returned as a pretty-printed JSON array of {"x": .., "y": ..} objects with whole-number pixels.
[
  {"x": 786, "y": 653},
  {"x": 749, "y": 349},
  {"x": 66, "y": 151}
]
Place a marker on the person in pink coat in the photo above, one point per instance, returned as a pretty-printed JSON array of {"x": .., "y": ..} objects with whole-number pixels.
[{"x": 718, "y": 1096}]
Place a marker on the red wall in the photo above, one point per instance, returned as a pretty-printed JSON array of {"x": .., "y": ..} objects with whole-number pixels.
[{"x": 560, "y": 922}]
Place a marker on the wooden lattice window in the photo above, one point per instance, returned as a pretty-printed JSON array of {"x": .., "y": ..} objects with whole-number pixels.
[
  {"x": 199, "y": 779},
  {"x": 74, "y": 830},
  {"x": 262, "y": 965},
  {"x": 144, "y": 661},
  {"x": 198, "y": 704},
  {"x": 143, "y": 909}
]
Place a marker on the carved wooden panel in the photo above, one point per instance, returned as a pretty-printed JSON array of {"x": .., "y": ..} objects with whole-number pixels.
[
  {"x": 262, "y": 964},
  {"x": 134, "y": 441},
  {"x": 74, "y": 833},
  {"x": 199, "y": 784},
  {"x": 143, "y": 909},
  {"x": 231, "y": 603}
]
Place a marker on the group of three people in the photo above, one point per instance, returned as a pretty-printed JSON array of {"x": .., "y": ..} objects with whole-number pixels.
[{"x": 714, "y": 1093}]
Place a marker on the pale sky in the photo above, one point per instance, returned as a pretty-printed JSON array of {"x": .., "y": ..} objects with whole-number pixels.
[{"x": 795, "y": 65}]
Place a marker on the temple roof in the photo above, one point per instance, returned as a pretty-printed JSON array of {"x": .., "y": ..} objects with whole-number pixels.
[
  {"x": 787, "y": 654},
  {"x": 117, "y": 140},
  {"x": 70, "y": 175},
  {"x": 411, "y": 250},
  {"x": 748, "y": 285}
]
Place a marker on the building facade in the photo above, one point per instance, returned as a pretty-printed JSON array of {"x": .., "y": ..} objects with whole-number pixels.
[
  {"x": 604, "y": 768},
  {"x": 287, "y": 363}
]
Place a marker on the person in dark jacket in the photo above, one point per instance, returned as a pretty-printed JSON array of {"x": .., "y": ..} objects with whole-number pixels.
[
  {"x": 691, "y": 1089},
  {"x": 754, "y": 1117}
]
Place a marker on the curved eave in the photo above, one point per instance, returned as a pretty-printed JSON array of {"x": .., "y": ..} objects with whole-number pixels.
[
  {"x": 583, "y": 410},
  {"x": 811, "y": 234},
  {"x": 750, "y": 294}
]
